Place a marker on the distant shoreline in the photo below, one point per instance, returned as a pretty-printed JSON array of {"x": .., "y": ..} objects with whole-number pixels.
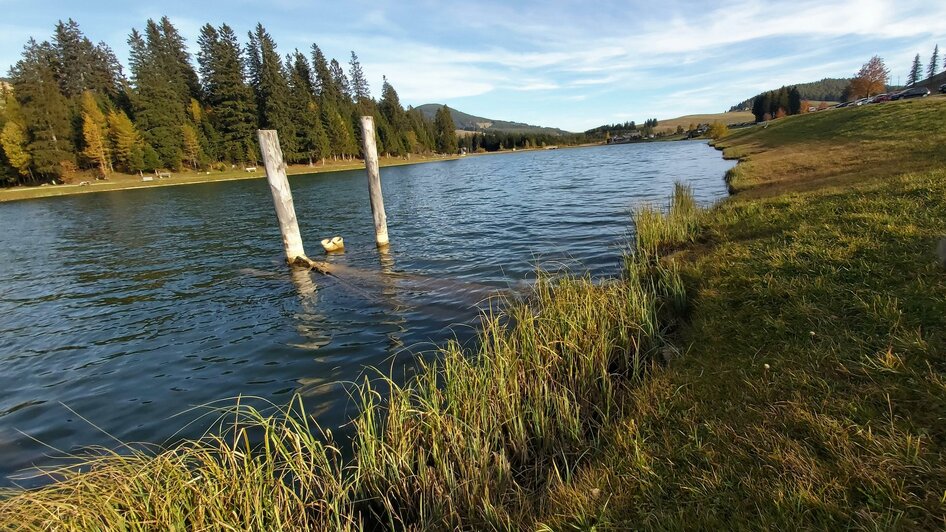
[{"x": 121, "y": 182}]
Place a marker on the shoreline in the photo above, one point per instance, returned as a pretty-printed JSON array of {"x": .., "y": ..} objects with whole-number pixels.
[{"x": 132, "y": 182}]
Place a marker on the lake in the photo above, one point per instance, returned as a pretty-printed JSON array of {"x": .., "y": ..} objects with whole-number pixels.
[{"x": 121, "y": 310}]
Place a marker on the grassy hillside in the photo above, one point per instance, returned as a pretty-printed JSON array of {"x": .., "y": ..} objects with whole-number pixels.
[
  {"x": 468, "y": 122},
  {"x": 733, "y": 117},
  {"x": 811, "y": 392}
]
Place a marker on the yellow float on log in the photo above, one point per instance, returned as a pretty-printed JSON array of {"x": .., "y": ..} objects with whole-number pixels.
[{"x": 333, "y": 244}]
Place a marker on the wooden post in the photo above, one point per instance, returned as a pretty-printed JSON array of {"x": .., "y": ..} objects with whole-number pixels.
[
  {"x": 374, "y": 181},
  {"x": 282, "y": 196}
]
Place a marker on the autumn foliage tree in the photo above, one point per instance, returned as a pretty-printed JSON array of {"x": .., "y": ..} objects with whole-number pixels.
[{"x": 870, "y": 80}]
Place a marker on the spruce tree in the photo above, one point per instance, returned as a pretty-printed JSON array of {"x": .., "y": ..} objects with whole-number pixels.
[
  {"x": 271, "y": 88},
  {"x": 359, "y": 85},
  {"x": 396, "y": 141},
  {"x": 934, "y": 63},
  {"x": 916, "y": 71},
  {"x": 158, "y": 97},
  {"x": 446, "y": 135},
  {"x": 341, "y": 80},
  {"x": 46, "y": 112},
  {"x": 311, "y": 139},
  {"x": 95, "y": 135},
  {"x": 794, "y": 101},
  {"x": 223, "y": 70}
]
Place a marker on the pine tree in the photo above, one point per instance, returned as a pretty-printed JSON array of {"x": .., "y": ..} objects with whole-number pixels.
[
  {"x": 311, "y": 139},
  {"x": 95, "y": 135},
  {"x": 46, "y": 112},
  {"x": 340, "y": 80},
  {"x": 173, "y": 50},
  {"x": 794, "y": 101},
  {"x": 395, "y": 141},
  {"x": 446, "y": 136},
  {"x": 158, "y": 99},
  {"x": 934, "y": 63},
  {"x": 223, "y": 71},
  {"x": 268, "y": 79},
  {"x": 359, "y": 85},
  {"x": 916, "y": 71}
]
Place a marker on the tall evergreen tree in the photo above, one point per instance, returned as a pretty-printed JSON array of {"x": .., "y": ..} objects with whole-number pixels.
[
  {"x": 157, "y": 99},
  {"x": 794, "y": 101},
  {"x": 396, "y": 141},
  {"x": 916, "y": 71},
  {"x": 268, "y": 79},
  {"x": 446, "y": 135},
  {"x": 46, "y": 112},
  {"x": 231, "y": 100},
  {"x": 173, "y": 50},
  {"x": 359, "y": 85},
  {"x": 311, "y": 139},
  {"x": 340, "y": 79},
  {"x": 934, "y": 63}
]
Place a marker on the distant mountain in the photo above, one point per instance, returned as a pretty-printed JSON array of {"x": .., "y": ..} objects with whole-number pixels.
[{"x": 467, "y": 122}]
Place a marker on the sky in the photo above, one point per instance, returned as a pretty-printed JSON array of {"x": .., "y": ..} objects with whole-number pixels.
[{"x": 573, "y": 65}]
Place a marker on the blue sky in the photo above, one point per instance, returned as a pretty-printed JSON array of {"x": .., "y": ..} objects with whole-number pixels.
[{"x": 572, "y": 65}]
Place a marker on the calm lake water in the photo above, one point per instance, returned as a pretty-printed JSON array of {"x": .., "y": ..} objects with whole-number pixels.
[{"x": 126, "y": 308}]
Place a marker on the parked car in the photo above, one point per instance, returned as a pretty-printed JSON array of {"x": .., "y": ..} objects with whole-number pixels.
[
  {"x": 880, "y": 98},
  {"x": 860, "y": 102},
  {"x": 897, "y": 95},
  {"x": 914, "y": 92},
  {"x": 942, "y": 88}
]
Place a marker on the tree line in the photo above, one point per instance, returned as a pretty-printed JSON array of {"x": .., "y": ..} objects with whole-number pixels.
[
  {"x": 624, "y": 128},
  {"x": 70, "y": 106},
  {"x": 917, "y": 72},
  {"x": 777, "y": 103}
]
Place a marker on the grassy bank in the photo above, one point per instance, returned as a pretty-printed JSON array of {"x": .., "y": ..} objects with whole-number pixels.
[{"x": 813, "y": 389}]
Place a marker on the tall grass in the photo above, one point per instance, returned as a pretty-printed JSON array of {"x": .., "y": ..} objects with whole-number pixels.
[
  {"x": 659, "y": 230},
  {"x": 473, "y": 441}
]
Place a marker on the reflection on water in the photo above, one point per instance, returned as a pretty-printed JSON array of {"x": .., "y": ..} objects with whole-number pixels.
[{"x": 130, "y": 307}]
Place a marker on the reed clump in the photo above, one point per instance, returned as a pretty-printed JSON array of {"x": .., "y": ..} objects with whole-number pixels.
[
  {"x": 474, "y": 440},
  {"x": 660, "y": 230}
]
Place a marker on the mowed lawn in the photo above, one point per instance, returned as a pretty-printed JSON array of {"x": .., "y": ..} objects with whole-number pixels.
[{"x": 811, "y": 392}]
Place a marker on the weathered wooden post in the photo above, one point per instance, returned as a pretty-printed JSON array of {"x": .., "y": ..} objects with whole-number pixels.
[
  {"x": 374, "y": 181},
  {"x": 282, "y": 196}
]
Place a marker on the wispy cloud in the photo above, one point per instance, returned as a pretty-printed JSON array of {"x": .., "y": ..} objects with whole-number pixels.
[{"x": 567, "y": 64}]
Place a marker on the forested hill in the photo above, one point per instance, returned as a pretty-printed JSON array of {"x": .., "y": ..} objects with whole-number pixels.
[
  {"x": 468, "y": 122},
  {"x": 825, "y": 90}
]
